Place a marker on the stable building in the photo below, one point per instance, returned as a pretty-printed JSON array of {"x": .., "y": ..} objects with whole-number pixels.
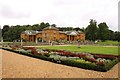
[{"x": 51, "y": 33}]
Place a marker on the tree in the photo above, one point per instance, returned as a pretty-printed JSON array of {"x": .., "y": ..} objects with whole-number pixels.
[
  {"x": 43, "y": 25},
  {"x": 83, "y": 29},
  {"x": 4, "y": 31},
  {"x": 117, "y": 36},
  {"x": 54, "y": 25},
  {"x": 91, "y": 30},
  {"x": 77, "y": 29},
  {"x": 35, "y": 27},
  {"x": 103, "y": 31},
  {"x": 47, "y": 24},
  {"x": 5, "y": 28},
  {"x": 69, "y": 28}
]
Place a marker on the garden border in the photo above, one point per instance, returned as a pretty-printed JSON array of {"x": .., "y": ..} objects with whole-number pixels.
[{"x": 70, "y": 62}]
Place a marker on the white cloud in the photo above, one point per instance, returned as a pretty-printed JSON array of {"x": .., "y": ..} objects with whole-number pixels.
[{"x": 75, "y": 13}]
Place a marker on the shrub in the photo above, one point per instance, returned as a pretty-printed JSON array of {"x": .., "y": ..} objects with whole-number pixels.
[
  {"x": 39, "y": 50},
  {"x": 63, "y": 58},
  {"x": 90, "y": 58},
  {"x": 55, "y": 57},
  {"x": 105, "y": 56},
  {"x": 72, "y": 58},
  {"x": 101, "y": 62},
  {"x": 24, "y": 51},
  {"x": 33, "y": 49},
  {"x": 47, "y": 54},
  {"x": 82, "y": 60},
  {"x": 85, "y": 65},
  {"x": 111, "y": 64}
]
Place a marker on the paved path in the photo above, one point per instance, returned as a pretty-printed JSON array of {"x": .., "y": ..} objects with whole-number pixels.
[{"x": 20, "y": 66}]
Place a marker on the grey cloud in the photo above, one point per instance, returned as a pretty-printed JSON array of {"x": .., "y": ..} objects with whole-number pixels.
[
  {"x": 66, "y": 2},
  {"x": 10, "y": 13}
]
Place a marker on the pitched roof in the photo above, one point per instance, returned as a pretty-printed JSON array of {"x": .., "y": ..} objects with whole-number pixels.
[
  {"x": 30, "y": 32},
  {"x": 51, "y": 27},
  {"x": 61, "y": 32},
  {"x": 80, "y": 32},
  {"x": 71, "y": 32}
]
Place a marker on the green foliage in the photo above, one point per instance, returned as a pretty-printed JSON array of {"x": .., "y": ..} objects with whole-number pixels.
[
  {"x": 103, "y": 31},
  {"x": 111, "y": 64},
  {"x": 56, "y": 57},
  {"x": 54, "y": 25},
  {"x": 88, "y": 65},
  {"x": 91, "y": 30},
  {"x": 11, "y": 33},
  {"x": 25, "y": 51},
  {"x": 71, "y": 61},
  {"x": 5, "y": 28},
  {"x": 94, "y": 49},
  {"x": 116, "y": 36},
  {"x": 108, "y": 42},
  {"x": 65, "y": 28}
]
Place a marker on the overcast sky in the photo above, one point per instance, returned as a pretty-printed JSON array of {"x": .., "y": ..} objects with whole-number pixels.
[{"x": 63, "y": 13}]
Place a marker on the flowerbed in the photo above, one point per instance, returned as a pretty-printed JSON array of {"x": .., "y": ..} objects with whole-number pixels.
[{"x": 98, "y": 62}]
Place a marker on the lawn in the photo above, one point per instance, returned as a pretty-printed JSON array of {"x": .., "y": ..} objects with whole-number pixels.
[
  {"x": 109, "y": 42},
  {"x": 19, "y": 43},
  {"x": 86, "y": 48}
]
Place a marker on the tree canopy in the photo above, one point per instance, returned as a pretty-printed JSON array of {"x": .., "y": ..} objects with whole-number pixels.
[
  {"x": 93, "y": 31},
  {"x": 103, "y": 31},
  {"x": 100, "y": 32}
]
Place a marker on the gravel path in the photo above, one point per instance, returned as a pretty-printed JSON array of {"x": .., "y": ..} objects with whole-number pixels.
[{"x": 20, "y": 66}]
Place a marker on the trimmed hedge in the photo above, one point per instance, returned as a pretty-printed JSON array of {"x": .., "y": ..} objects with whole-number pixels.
[
  {"x": 70, "y": 61},
  {"x": 91, "y": 66},
  {"x": 31, "y": 55}
]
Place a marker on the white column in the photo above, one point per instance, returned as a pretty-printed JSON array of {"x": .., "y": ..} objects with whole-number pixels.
[
  {"x": 2, "y": 41},
  {"x": 36, "y": 41},
  {"x": 21, "y": 42}
]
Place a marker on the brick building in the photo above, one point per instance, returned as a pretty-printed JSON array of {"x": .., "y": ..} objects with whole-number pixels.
[{"x": 52, "y": 34}]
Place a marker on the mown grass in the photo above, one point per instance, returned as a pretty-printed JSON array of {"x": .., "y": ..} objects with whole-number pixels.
[
  {"x": 19, "y": 43},
  {"x": 87, "y": 48},
  {"x": 108, "y": 42}
]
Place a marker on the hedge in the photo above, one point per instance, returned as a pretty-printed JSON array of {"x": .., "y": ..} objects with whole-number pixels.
[{"x": 70, "y": 61}]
